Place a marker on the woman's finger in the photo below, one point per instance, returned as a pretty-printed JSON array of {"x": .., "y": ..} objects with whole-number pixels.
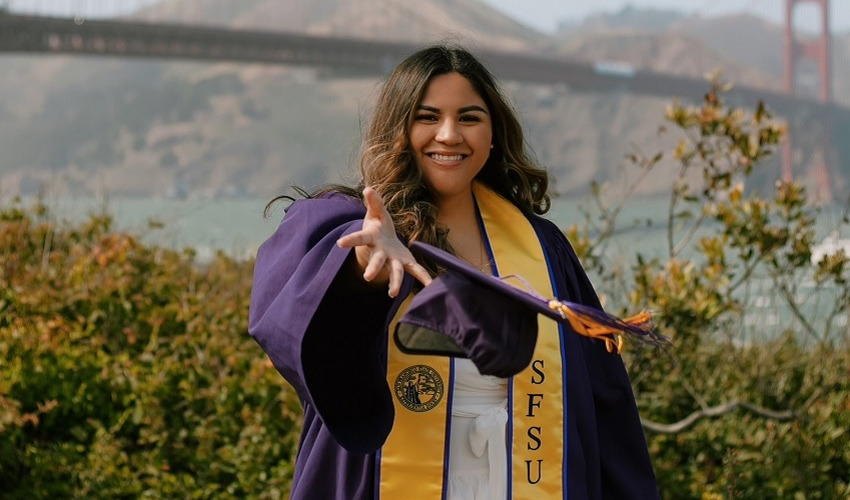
[
  {"x": 377, "y": 260},
  {"x": 420, "y": 273},
  {"x": 355, "y": 239},
  {"x": 396, "y": 277}
]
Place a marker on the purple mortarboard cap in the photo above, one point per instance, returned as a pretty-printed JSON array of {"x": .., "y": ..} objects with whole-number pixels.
[{"x": 447, "y": 316}]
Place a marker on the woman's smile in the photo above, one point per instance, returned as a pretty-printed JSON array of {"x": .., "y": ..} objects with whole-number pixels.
[{"x": 446, "y": 158}]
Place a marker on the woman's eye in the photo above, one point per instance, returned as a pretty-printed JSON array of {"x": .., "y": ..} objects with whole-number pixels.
[
  {"x": 470, "y": 118},
  {"x": 426, "y": 117}
]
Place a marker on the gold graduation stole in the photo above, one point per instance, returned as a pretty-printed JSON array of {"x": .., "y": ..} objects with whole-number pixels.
[{"x": 415, "y": 455}]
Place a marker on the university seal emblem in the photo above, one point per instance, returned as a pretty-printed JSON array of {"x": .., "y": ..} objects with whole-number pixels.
[{"x": 419, "y": 388}]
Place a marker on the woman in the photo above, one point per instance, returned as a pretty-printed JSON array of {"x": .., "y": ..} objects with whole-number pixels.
[{"x": 444, "y": 162}]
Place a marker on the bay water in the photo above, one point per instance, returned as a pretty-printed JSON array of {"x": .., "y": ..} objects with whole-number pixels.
[{"x": 237, "y": 227}]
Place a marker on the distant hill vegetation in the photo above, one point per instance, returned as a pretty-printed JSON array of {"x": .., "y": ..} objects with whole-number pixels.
[{"x": 83, "y": 125}]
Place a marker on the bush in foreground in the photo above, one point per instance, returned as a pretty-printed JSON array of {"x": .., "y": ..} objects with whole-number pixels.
[
  {"x": 127, "y": 371},
  {"x": 753, "y": 400}
]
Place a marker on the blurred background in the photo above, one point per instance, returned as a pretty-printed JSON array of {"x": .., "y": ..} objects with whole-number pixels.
[{"x": 203, "y": 139}]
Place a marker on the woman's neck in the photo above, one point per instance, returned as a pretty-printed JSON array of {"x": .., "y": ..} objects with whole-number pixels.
[
  {"x": 457, "y": 211},
  {"x": 460, "y": 217}
]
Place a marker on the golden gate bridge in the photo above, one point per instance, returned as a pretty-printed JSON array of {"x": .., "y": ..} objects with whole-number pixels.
[{"x": 166, "y": 32}]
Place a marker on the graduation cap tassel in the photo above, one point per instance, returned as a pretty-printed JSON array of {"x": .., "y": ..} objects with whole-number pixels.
[{"x": 595, "y": 323}]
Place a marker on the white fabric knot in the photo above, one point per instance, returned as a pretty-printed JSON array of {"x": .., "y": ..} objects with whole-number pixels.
[
  {"x": 489, "y": 432},
  {"x": 487, "y": 426}
]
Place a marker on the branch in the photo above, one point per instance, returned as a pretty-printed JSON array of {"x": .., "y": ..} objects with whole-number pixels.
[
  {"x": 788, "y": 295},
  {"x": 717, "y": 411}
]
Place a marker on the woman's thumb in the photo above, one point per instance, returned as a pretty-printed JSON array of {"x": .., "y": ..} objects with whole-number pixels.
[{"x": 373, "y": 202}]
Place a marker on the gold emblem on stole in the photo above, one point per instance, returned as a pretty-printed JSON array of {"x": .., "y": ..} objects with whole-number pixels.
[{"x": 419, "y": 388}]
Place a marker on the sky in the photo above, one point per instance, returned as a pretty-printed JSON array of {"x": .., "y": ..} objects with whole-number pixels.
[{"x": 545, "y": 15}]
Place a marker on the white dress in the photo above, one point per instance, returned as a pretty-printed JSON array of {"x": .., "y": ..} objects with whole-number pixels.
[{"x": 478, "y": 453}]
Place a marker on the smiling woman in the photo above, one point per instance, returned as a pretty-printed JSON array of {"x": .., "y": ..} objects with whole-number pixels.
[{"x": 505, "y": 408}]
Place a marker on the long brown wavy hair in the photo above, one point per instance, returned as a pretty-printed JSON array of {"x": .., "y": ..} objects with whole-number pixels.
[{"x": 388, "y": 164}]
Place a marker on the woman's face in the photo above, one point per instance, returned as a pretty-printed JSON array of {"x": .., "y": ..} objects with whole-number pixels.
[{"x": 451, "y": 135}]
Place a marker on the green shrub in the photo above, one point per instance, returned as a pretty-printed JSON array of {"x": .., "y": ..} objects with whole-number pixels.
[
  {"x": 740, "y": 408},
  {"x": 127, "y": 370}
]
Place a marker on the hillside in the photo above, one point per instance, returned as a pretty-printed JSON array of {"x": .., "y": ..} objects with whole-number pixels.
[
  {"x": 175, "y": 129},
  {"x": 426, "y": 21},
  {"x": 747, "y": 48}
]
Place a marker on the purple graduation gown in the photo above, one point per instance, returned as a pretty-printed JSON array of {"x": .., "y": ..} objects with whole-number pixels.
[{"x": 327, "y": 335}]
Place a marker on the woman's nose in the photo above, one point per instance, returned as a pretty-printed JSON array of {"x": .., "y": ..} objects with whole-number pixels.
[{"x": 448, "y": 133}]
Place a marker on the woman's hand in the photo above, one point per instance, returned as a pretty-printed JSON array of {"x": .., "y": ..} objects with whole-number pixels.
[{"x": 381, "y": 256}]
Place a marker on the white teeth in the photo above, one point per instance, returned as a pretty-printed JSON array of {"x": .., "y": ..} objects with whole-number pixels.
[{"x": 439, "y": 157}]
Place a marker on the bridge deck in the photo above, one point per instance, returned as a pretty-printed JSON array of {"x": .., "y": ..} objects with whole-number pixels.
[{"x": 358, "y": 56}]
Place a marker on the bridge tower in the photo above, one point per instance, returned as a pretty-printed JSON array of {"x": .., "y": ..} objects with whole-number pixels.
[{"x": 815, "y": 49}]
